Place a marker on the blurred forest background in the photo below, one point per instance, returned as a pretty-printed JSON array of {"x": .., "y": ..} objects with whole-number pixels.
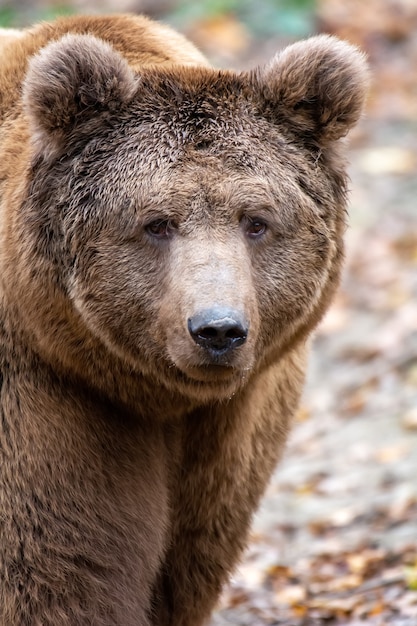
[{"x": 335, "y": 541}]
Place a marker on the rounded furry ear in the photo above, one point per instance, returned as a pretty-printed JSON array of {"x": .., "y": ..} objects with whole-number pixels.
[
  {"x": 70, "y": 84},
  {"x": 318, "y": 86}
]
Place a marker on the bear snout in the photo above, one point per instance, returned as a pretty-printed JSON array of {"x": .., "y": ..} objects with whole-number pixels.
[{"x": 218, "y": 330}]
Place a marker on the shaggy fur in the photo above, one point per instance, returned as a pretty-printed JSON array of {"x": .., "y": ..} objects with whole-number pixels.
[{"x": 138, "y": 186}]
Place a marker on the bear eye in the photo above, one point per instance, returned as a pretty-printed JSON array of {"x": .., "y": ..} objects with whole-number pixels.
[
  {"x": 160, "y": 229},
  {"x": 254, "y": 227}
]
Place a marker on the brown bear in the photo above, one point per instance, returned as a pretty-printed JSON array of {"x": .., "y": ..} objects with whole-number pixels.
[{"x": 170, "y": 235}]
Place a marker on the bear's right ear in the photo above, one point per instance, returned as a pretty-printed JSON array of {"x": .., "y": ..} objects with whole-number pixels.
[{"x": 70, "y": 85}]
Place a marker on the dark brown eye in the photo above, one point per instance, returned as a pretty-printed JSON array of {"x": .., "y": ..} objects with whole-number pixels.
[
  {"x": 160, "y": 229},
  {"x": 254, "y": 227}
]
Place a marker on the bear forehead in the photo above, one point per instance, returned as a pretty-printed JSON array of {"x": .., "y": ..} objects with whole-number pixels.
[
  {"x": 200, "y": 110},
  {"x": 215, "y": 143},
  {"x": 195, "y": 134},
  {"x": 174, "y": 157},
  {"x": 151, "y": 161},
  {"x": 198, "y": 94}
]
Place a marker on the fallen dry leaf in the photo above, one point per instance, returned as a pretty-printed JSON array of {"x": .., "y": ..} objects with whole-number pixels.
[
  {"x": 221, "y": 32},
  {"x": 409, "y": 419}
]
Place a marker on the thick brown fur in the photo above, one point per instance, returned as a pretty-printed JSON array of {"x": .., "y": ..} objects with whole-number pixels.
[{"x": 131, "y": 461}]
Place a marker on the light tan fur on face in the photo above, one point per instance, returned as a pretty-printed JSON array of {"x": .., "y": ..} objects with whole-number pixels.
[{"x": 132, "y": 456}]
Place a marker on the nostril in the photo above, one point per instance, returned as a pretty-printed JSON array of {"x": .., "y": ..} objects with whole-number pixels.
[
  {"x": 219, "y": 330},
  {"x": 208, "y": 331},
  {"x": 234, "y": 333}
]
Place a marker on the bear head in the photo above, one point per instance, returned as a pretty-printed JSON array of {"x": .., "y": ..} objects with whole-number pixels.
[{"x": 190, "y": 219}]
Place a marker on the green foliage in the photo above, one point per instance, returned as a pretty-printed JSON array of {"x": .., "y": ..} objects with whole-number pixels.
[
  {"x": 10, "y": 17},
  {"x": 52, "y": 12},
  {"x": 262, "y": 17},
  {"x": 7, "y": 17}
]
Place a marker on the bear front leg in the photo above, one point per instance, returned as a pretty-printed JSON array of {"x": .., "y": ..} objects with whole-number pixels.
[{"x": 228, "y": 455}]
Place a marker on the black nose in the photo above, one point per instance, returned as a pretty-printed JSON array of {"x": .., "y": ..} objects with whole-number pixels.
[{"x": 219, "y": 329}]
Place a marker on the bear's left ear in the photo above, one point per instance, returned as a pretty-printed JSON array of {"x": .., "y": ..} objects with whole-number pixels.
[
  {"x": 70, "y": 84},
  {"x": 317, "y": 86}
]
